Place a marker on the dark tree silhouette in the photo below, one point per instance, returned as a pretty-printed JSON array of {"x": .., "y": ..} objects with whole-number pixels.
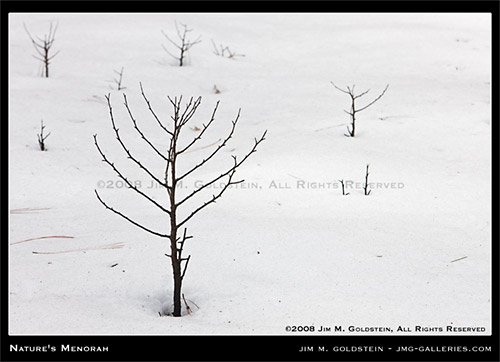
[
  {"x": 43, "y": 47},
  {"x": 343, "y": 188},
  {"x": 42, "y": 138},
  {"x": 354, "y": 110},
  {"x": 183, "y": 45},
  {"x": 119, "y": 81},
  {"x": 365, "y": 187},
  {"x": 171, "y": 177}
]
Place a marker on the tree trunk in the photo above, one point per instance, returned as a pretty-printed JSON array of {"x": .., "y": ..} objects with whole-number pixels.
[
  {"x": 176, "y": 266},
  {"x": 46, "y": 61},
  {"x": 176, "y": 262}
]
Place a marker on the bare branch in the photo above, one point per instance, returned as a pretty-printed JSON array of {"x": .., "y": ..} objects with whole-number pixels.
[
  {"x": 170, "y": 40},
  {"x": 343, "y": 188},
  {"x": 185, "y": 266},
  {"x": 153, "y": 113},
  {"x": 340, "y": 89},
  {"x": 168, "y": 52},
  {"x": 181, "y": 245},
  {"x": 43, "y": 46},
  {"x": 139, "y": 131},
  {"x": 352, "y": 113},
  {"x": 216, "y": 51},
  {"x": 228, "y": 173},
  {"x": 53, "y": 55},
  {"x": 214, "y": 198},
  {"x": 184, "y": 45},
  {"x": 366, "y": 182},
  {"x": 119, "y": 80},
  {"x": 362, "y": 94},
  {"x": 189, "y": 111},
  {"x": 129, "y": 219},
  {"x": 376, "y": 99},
  {"x": 129, "y": 184},
  {"x": 205, "y": 127},
  {"x": 125, "y": 147},
  {"x": 224, "y": 142},
  {"x": 41, "y": 137}
]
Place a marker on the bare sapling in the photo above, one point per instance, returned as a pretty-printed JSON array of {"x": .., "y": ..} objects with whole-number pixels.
[
  {"x": 177, "y": 214},
  {"x": 343, "y": 188},
  {"x": 366, "y": 185},
  {"x": 353, "y": 111},
  {"x": 225, "y": 52},
  {"x": 43, "y": 48},
  {"x": 183, "y": 44},
  {"x": 42, "y": 138},
  {"x": 119, "y": 81}
]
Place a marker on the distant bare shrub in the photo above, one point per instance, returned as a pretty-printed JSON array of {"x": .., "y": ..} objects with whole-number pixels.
[
  {"x": 183, "y": 45},
  {"x": 354, "y": 110},
  {"x": 43, "y": 47},
  {"x": 42, "y": 138},
  {"x": 365, "y": 187},
  {"x": 118, "y": 81},
  {"x": 224, "y": 51}
]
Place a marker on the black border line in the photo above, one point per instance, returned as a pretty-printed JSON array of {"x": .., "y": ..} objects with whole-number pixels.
[{"x": 246, "y": 348}]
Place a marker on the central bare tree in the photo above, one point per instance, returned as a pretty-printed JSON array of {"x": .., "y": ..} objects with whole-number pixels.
[{"x": 172, "y": 177}]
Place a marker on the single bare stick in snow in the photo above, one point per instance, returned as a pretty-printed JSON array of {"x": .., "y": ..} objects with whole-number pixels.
[
  {"x": 183, "y": 46},
  {"x": 354, "y": 110},
  {"x": 171, "y": 176},
  {"x": 365, "y": 187},
  {"x": 188, "y": 309},
  {"x": 43, "y": 237},
  {"x": 42, "y": 138},
  {"x": 462, "y": 258},
  {"x": 343, "y": 188},
  {"x": 43, "y": 46}
]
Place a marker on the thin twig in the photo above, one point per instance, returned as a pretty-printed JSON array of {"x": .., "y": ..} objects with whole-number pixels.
[
  {"x": 43, "y": 237},
  {"x": 462, "y": 258},
  {"x": 129, "y": 219},
  {"x": 188, "y": 309}
]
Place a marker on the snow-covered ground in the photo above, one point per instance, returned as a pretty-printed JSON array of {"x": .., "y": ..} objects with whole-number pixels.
[{"x": 289, "y": 249}]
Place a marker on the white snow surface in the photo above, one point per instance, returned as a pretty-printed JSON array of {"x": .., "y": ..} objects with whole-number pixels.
[{"x": 263, "y": 257}]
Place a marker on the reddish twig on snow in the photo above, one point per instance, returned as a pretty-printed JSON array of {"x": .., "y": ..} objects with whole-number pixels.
[{"x": 44, "y": 237}]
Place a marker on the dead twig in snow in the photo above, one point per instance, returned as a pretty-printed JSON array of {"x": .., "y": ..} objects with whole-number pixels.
[
  {"x": 102, "y": 247},
  {"x": 27, "y": 210},
  {"x": 44, "y": 237},
  {"x": 188, "y": 309},
  {"x": 462, "y": 258}
]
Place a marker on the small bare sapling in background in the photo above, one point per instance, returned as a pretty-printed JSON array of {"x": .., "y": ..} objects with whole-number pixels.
[
  {"x": 354, "y": 110},
  {"x": 183, "y": 45},
  {"x": 225, "y": 52},
  {"x": 366, "y": 185},
  {"x": 343, "y": 188},
  {"x": 119, "y": 81},
  {"x": 43, "y": 48},
  {"x": 42, "y": 138}
]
